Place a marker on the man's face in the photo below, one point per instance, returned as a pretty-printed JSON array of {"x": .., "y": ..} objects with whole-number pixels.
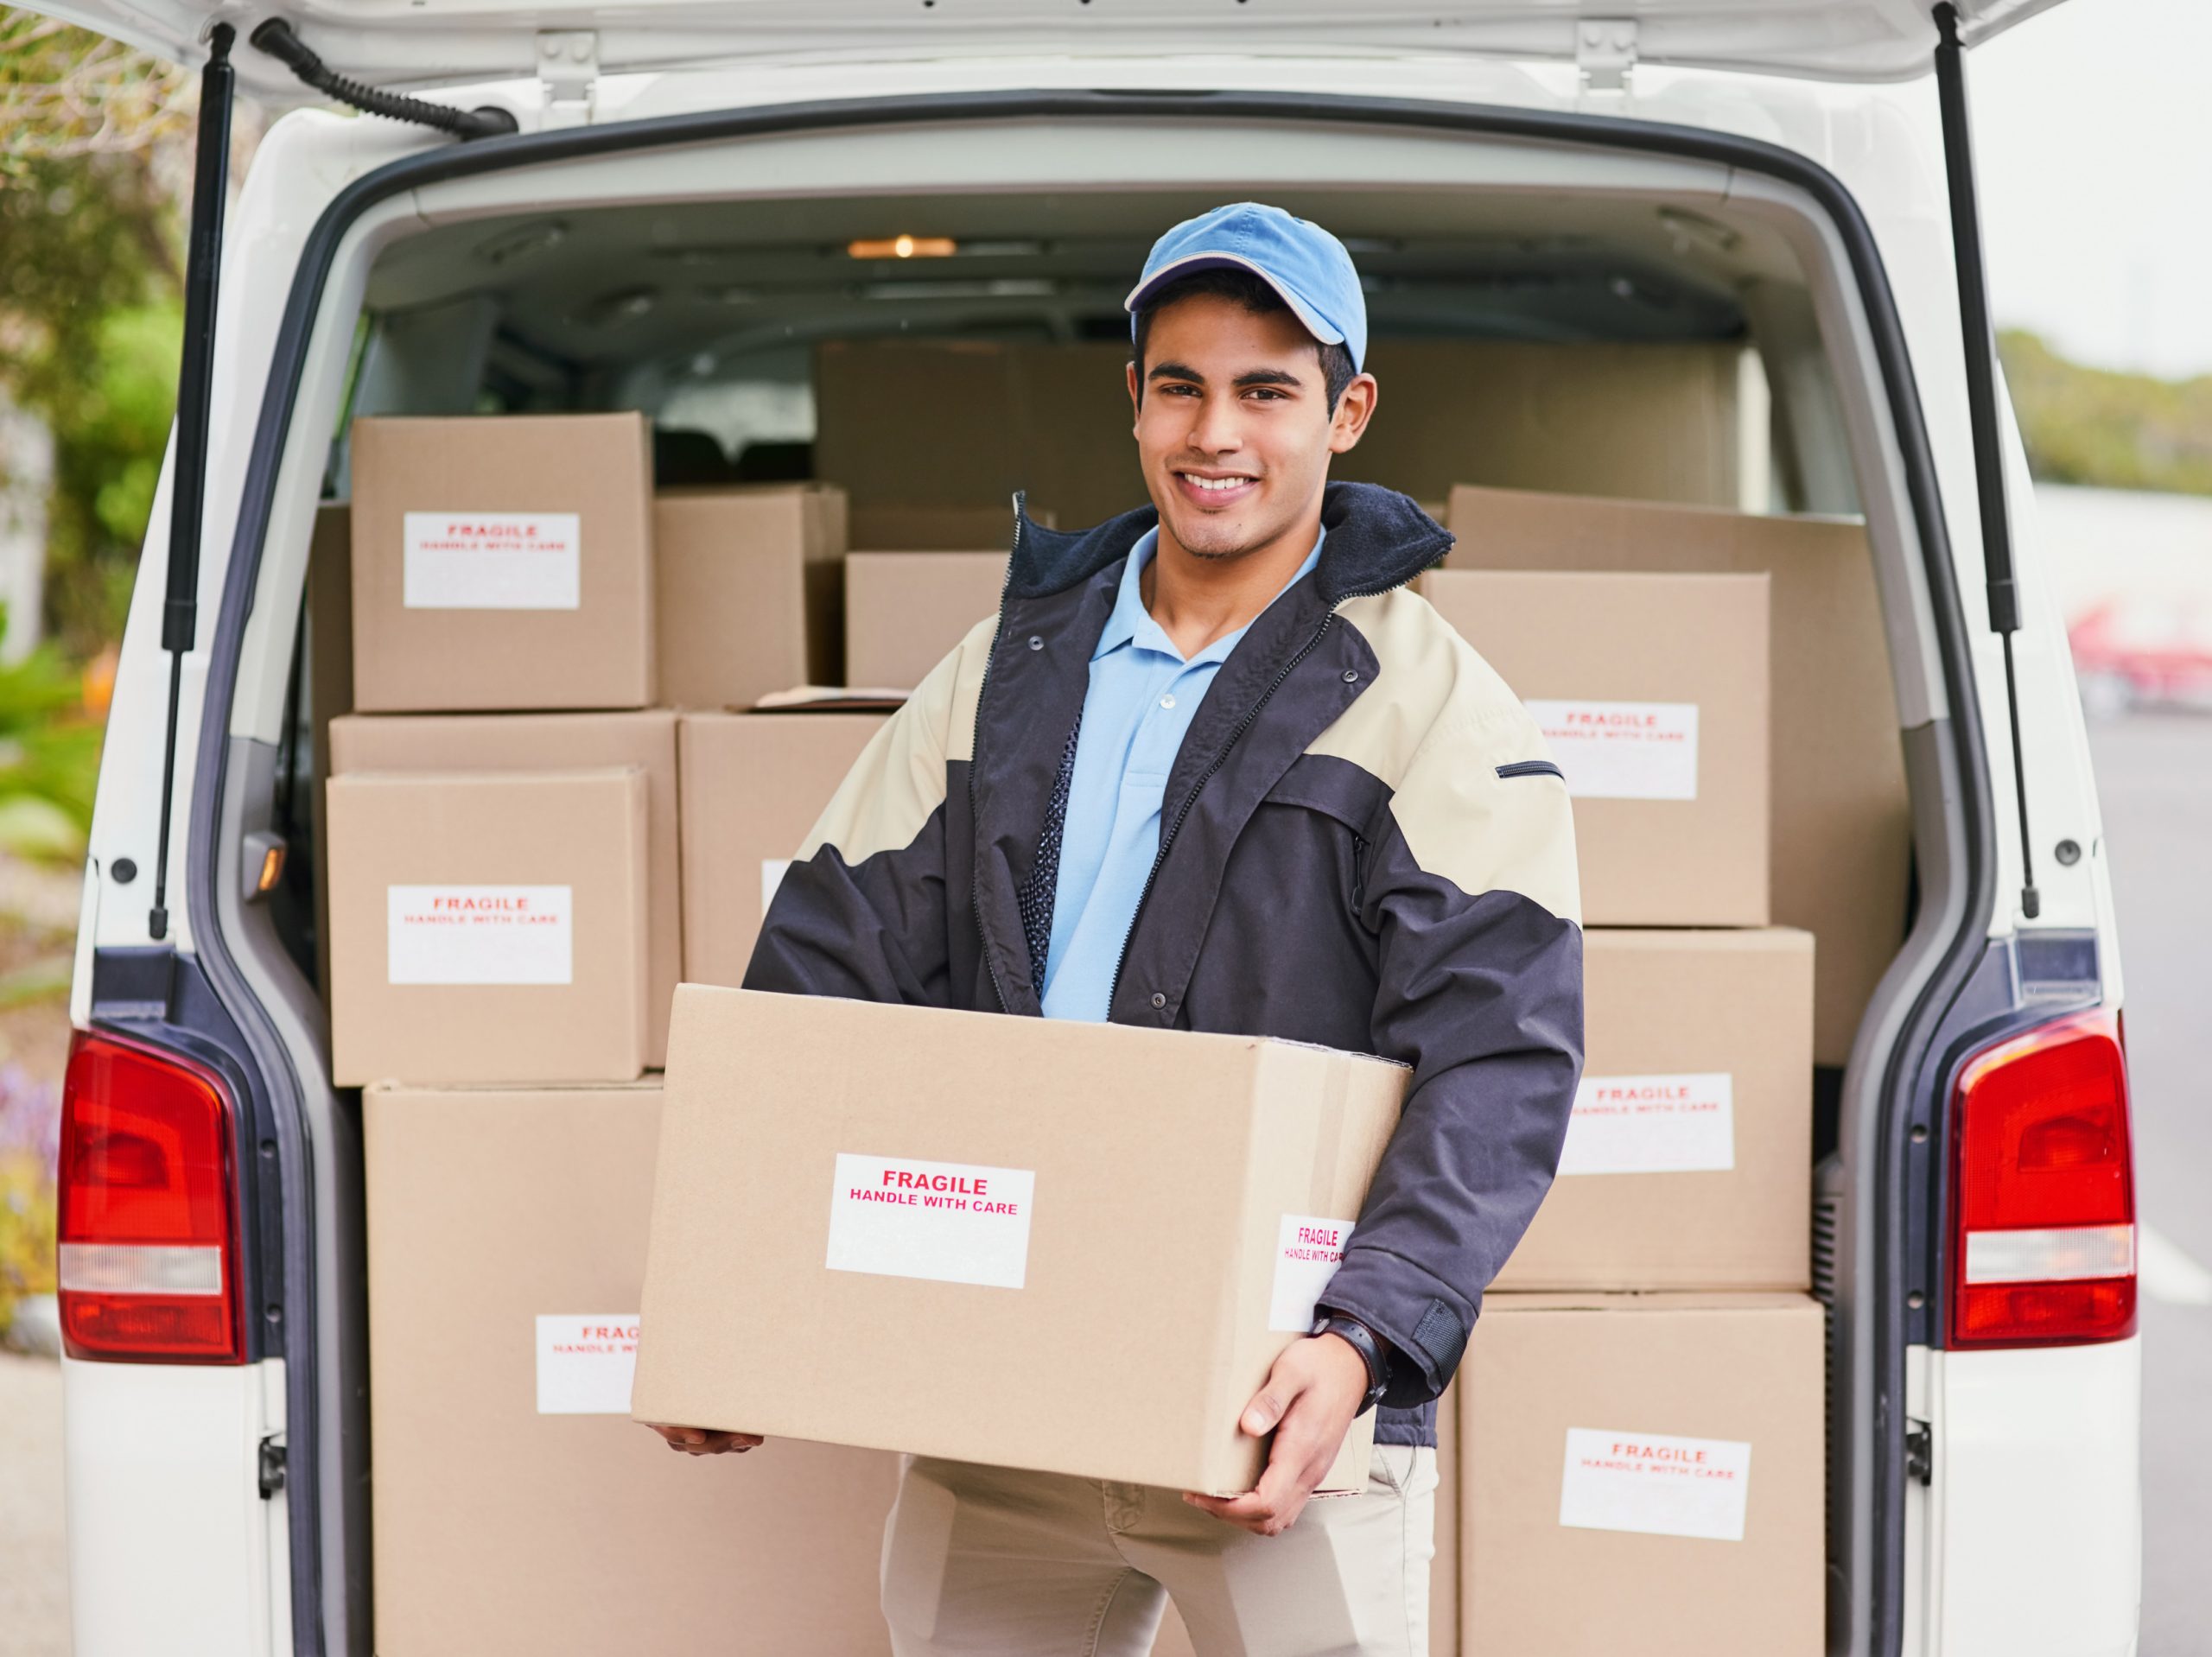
[{"x": 1233, "y": 429}]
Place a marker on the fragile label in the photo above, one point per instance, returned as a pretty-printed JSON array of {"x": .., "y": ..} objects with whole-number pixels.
[
  {"x": 949, "y": 1222},
  {"x": 1655, "y": 1484},
  {"x": 1652, "y": 1125},
  {"x": 584, "y": 1362},
  {"x": 773, "y": 870},
  {"x": 493, "y": 561},
  {"x": 1308, "y": 1250},
  {"x": 1623, "y": 750},
  {"x": 479, "y": 935}
]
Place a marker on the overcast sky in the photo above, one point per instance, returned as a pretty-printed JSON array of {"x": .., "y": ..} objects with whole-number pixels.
[{"x": 2093, "y": 130}]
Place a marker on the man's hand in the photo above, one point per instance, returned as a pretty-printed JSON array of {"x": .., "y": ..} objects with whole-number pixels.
[
  {"x": 1312, "y": 1395},
  {"x": 704, "y": 1441}
]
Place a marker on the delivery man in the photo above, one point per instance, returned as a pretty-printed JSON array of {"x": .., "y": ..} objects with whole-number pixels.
[{"x": 1213, "y": 767}]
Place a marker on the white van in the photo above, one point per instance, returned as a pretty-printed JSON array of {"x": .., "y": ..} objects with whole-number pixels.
[{"x": 663, "y": 229}]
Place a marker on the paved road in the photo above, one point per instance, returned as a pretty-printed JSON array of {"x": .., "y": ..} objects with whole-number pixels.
[
  {"x": 34, "y": 1594},
  {"x": 2154, "y": 777}
]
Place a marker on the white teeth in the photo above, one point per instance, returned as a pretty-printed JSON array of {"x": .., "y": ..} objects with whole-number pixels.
[{"x": 1217, "y": 483}]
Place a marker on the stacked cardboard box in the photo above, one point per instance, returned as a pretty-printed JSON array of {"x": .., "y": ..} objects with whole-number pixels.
[{"x": 1650, "y": 1345}]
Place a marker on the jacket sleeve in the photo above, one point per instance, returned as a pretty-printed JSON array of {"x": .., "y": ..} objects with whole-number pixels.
[
  {"x": 1471, "y": 891},
  {"x": 861, "y": 910}
]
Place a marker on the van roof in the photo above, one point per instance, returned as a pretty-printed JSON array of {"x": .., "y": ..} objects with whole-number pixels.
[{"x": 421, "y": 43}]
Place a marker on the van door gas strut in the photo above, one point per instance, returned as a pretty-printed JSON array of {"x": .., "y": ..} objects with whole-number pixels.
[
  {"x": 211, "y": 181},
  {"x": 1981, "y": 403}
]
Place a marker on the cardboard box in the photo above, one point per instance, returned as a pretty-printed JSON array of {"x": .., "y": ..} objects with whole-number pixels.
[
  {"x": 882, "y": 528},
  {"x": 750, "y": 586},
  {"x": 1688, "y": 1160},
  {"x": 1652, "y": 694},
  {"x": 1643, "y": 1473},
  {"x": 964, "y": 423},
  {"x": 518, "y": 1508},
  {"x": 753, "y": 786},
  {"x": 486, "y": 743},
  {"x": 502, "y": 562},
  {"x": 906, "y": 610},
  {"x": 1653, "y": 421},
  {"x": 488, "y": 927},
  {"x": 1842, "y": 835},
  {"x": 1071, "y": 1247}
]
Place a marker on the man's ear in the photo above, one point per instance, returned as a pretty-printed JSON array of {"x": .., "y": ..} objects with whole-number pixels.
[
  {"x": 1136, "y": 394},
  {"x": 1353, "y": 409}
]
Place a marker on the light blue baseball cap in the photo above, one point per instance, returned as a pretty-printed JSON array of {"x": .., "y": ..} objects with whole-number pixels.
[{"x": 1304, "y": 264}]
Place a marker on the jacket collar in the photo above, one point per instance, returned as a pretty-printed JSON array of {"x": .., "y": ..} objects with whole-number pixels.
[{"x": 1377, "y": 539}]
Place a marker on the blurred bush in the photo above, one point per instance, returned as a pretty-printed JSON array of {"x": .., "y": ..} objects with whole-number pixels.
[
  {"x": 30, "y": 1120},
  {"x": 49, "y": 757},
  {"x": 2096, "y": 426}
]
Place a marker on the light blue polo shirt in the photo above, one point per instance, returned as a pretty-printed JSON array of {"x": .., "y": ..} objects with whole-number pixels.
[{"x": 1143, "y": 697}]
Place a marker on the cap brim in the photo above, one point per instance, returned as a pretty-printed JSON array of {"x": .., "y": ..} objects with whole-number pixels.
[{"x": 1192, "y": 263}]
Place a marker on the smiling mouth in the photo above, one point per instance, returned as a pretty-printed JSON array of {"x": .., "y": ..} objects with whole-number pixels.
[{"x": 1214, "y": 486}]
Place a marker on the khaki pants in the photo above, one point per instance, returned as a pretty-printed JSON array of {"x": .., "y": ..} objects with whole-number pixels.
[{"x": 982, "y": 1562}]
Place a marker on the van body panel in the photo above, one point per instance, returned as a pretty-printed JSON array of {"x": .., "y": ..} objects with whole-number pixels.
[
  {"x": 2039, "y": 1500},
  {"x": 172, "y": 1547},
  {"x": 1844, "y": 40},
  {"x": 267, "y": 450}
]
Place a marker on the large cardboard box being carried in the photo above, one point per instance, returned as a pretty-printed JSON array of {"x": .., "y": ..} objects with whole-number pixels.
[
  {"x": 749, "y": 591},
  {"x": 1642, "y": 1473},
  {"x": 906, "y": 610},
  {"x": 483, "y": 743},
  {"x": 518, "y": 1508},
  {"x": 488, "y": 927},
  {"x": 502, "y": 562},
  {"x": 1652, "y": 694},
  {"x": 753, "y": 786},
  {"x": 1842, "y": 834},
  {"x": 1071, "y": 1247},
  {"x": 1688, "y": 1158}
]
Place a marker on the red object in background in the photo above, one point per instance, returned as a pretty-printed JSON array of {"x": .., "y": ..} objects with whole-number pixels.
[
  {"x": 2044, "y": 1189},
  {"x": 2140, "y": 651},
  {"x": 148, "y": 1221}
]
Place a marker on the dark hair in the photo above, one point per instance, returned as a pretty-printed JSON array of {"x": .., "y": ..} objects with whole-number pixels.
[{"x": 1241, "y": 287}]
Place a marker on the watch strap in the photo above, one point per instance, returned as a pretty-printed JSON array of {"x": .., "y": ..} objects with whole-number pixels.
[{"x": 1363, "y": 1340}]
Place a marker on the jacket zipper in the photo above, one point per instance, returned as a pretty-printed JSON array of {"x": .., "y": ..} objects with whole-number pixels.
[
  {"x": 976, "y": 752},
  {"x": 1221, "y": 759}
]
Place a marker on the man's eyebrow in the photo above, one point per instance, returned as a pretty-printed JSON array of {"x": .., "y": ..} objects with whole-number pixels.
[
  {"x": 1174, "y": 372},
  {"x": 1268, "y": 377}
]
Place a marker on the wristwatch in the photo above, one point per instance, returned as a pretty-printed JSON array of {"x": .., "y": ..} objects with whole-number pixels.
[{"x": 1369, "y": 1350}]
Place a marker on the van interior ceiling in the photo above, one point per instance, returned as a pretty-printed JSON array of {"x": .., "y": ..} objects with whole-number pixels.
[{"x": 1624, "y": 347}]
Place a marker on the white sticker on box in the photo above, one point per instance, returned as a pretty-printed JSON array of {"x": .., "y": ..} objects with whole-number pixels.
[
  {"x": 1308, "y": 1250},
  {"x": 1655, "y": 1484},
  {"x": 492, "y": 560},
  {"x": 479, "y": 935},
  {"x": 1623, "y": 750},
  {"x": 584, "y": 1362},
  {"x": 948, "y": 1222},
  {"x": 1652, "y": 1125},
  {"x": 773, "y": 870}
]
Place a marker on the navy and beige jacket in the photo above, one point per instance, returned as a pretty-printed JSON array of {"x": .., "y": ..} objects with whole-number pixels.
[{"x": 1362, "y": 845}]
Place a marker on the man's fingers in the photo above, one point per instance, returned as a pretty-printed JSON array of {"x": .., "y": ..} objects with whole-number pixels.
[{"x": 1265, "y": 1409}]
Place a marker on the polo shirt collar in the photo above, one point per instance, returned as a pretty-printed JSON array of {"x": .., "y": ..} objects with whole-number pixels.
[{"x": 1130, "y": 622}]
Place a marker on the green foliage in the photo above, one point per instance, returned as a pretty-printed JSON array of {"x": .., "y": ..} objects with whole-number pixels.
[
  {"x": 49, "y": 758},
  {"x": 2118, "y": 431},
  {"x": 90, "y": 319}
]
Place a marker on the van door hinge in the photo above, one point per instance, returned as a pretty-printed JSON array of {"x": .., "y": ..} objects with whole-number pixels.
[
  {"x": 1604, "y": 51},
  {"x": 1919, "y": 1451},
  {"x": 568, "y": 68},
  {"x": 272, "y": 1465}
]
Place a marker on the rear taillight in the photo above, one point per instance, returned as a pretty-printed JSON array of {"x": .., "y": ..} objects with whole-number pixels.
[
  {"x": 2043, "y": 1191},
  {"x": 148, "y": 1217}
]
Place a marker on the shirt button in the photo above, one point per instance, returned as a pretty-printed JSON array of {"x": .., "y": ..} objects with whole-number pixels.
[
  {"x": 1167, "y": 700},
  {"x": 1158, "y": 1000}
]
